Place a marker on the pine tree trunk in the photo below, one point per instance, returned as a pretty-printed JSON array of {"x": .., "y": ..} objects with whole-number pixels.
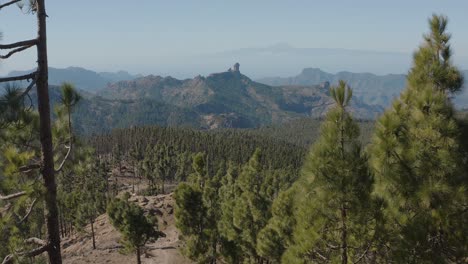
[
  {"x": 344, "y": 237},
  {"x": 92, "y": 232},
  {"x": 61, "y": 223},
  {"x": 162, "y": 185},
  {"x": 47, "y": 171},
  {"x": 138, "y": 255}
]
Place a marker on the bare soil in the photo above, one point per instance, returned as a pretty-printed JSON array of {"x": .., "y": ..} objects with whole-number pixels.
[{"x": 78, "y": 249}]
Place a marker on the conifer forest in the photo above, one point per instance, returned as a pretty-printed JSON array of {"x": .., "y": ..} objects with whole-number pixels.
[{"x": 111, "y": 167}]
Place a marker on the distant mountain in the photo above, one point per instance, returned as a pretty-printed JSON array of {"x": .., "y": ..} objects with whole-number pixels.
[
  {"x": 83, "y": 79},
  {"x": 283, "y": 59},
  {"x": 118, "y": 76},
  {"x": 231, "y": 99},
  {"x": 370, "y": 88}
]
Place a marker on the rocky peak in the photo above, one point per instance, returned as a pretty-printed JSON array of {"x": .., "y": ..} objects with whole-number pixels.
[{"x": 235, "y": 68}]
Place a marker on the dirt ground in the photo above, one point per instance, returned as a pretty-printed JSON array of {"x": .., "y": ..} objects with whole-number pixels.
[{"x": 78, "y": 249}]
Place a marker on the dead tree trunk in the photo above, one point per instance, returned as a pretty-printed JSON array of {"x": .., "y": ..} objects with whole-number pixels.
[{"x": 48, "y": 170}]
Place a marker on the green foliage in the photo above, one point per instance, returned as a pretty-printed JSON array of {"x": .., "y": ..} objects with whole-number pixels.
[
  {"x": 416, "y": 155},
  {"x": 197, "y": 212},
  {"x": 276, "y": 236},
  {"x": 250, "y": 212},
  {"x": 335, "y": 212},
  {"x": 20, "y": 151},
  {"x": 224, "y": 145},
  {"x": 69, "y": 97},
  {"x": 135, "y": 227}
]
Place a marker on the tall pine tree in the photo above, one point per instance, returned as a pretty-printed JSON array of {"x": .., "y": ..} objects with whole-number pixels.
[
  {"x": 417, "y": 160},
  {"x": 335, "y": 217}
]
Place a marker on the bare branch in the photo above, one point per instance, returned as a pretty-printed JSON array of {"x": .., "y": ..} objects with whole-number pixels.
[
  {"x": 44, "y": 246},
  {"x": 30, "y": 86},
  {"x": 8, "y": 259},
  {"x": 35, "y": 240},
  {"x": 320, "y": 256},
  {"x": 12, "y": 196},
  {"x": 28, "y": 213},
  {"x": 15, "y": 51},
  {"x": 35, "y": 252},
  {"x": 65, "y": 158},
  {"x": 30, "y": 42},
  {"x": 9, "y": 3},
  {"x": 19, "y": 78},
  {"x": 363, "y": 254},
  {"x": 28, "y": 254},
  {"x": 29, "y": 168},
  {"x": 5, "y": 209}
]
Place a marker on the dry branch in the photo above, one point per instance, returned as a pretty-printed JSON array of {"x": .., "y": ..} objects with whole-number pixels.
[
  {"x": 26, "y": 169},
  {"x": 15, "y": 51},
  {"x": 65, "y": 158},
  {"x": 28, "y": 76},
  {"x": 28, "y": 212},
  {"x": 12, "y": 196},
  {"x": 28, "y": 254},
  {"x": 9, "y": 3},
  {"x": 35, "y": 240},
  {"x": 19, "y": 44}
]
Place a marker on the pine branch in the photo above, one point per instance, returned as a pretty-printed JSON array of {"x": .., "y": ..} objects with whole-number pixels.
[
  {"x": 15, "y": 51},
  {"x": 28, "y": 212},
  {"x": 9, "y": 3},
  {"x": 12, "y": 196},
  {"x": 28, "y": 76},
  {"x": 30, "y": 42}
]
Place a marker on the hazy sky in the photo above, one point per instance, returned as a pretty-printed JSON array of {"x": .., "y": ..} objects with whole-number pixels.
[{"x": 144, "y": 35}]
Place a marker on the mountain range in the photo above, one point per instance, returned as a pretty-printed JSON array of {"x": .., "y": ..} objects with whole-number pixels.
[
  {"x": 224, "y": 99},
  {"x": 83, "y": 79},
  {"x": 219, "y": 100},
  {"x": 370, "y": 88}
]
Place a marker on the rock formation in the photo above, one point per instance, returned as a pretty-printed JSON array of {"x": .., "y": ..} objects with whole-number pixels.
[{"x": 235, "y": 68}]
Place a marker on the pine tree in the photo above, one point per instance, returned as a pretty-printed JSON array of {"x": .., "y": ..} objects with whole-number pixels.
[
  {"x": 228, "y": 194},
  {"x": 21, "y": 150},
  {"x": 91, "y": 194},
  {"x": 416, "y": 157},
  {"x": 135, "y": 227},
  {"x": 334, "y": 218},
  {"x": 276, "y": 236},
  {"x": 251, "y": 211},
  {"x": 190, "y": 215},
  {"x": 197, "y": 212},
  {"x": 39, "y": 78}
]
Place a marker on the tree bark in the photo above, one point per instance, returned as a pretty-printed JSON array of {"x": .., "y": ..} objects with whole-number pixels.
[
  {"x": 138, "y": 255},
  {"x": 47, "y": 171},
  {"x": 92, "y": 232}
]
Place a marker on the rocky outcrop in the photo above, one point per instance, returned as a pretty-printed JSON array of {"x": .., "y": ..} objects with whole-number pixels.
[{"x": 235, "y": 68}]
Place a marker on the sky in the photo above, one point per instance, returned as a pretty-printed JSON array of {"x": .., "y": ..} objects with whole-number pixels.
[{"x": 158, "y": 36}]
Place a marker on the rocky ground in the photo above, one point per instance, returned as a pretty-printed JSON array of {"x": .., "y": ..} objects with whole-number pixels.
[{"x": 78, "y": 249}]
